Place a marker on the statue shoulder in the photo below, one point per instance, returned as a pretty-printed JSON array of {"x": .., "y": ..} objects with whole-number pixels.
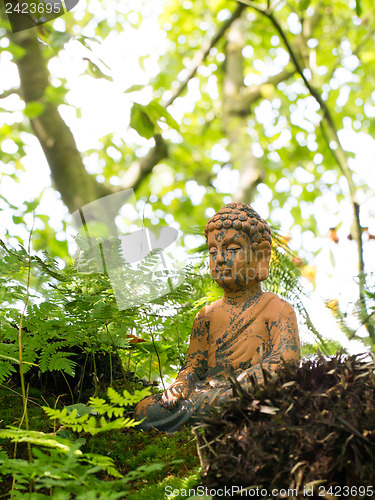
[
  {"x": 206, "y": 313},
  {"x": 276, "y": 306}
]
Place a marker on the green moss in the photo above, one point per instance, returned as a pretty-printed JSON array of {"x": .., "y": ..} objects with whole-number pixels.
[
  {"x": 12, "y": 412},
  {"x": 129, "y": 448}
]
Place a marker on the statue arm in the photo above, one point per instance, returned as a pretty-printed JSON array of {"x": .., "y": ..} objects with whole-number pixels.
[
  {"x": 282, "y": 343},
  {"x": 195, "y": 366}
]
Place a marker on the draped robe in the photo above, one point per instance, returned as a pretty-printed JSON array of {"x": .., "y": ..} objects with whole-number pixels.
[{"x": 225, "y": 340}]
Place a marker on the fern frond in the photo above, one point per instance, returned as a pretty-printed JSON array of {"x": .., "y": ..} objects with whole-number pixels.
[
  {"x": 88, "y": 422},
  {"x": 35, "y": 437},
  {"x": 51, "y": 358},
  {"x": 6, "y": 369},
  {"x": 127, "y": 399},
  {"x": 105, "y": 463}
]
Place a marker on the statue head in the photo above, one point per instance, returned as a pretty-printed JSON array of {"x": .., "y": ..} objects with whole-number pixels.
[{"x": 239, "y": 243}]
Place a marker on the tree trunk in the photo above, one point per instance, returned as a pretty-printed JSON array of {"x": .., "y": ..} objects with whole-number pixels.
[
  {"x": 236, "y": 113},
  {"x": 69, "y": 176},
  {"x": 237, "y": 102}
]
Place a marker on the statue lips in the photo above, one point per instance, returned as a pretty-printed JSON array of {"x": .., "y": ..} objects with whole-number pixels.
[{"x": 224, "y": 271}]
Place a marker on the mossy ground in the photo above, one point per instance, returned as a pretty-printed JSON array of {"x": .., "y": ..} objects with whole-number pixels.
[{"x": 129, "y": 448}]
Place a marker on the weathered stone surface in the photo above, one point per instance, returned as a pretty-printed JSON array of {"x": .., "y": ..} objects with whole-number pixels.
[{"x": 234, "y": 334}]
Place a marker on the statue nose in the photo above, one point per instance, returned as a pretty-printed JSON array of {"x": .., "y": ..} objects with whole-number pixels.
[{"x": 220, "y": 257}]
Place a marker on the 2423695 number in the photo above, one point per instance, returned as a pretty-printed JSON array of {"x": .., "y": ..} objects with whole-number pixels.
[
  {"x": 347, "y": 491},
  {"x": 32, "y": 8}
]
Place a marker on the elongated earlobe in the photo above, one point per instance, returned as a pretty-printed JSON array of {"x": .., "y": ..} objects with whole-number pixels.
[{"x": 262, "y": 270}]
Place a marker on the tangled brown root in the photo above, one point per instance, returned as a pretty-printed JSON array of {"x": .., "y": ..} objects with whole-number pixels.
[{"x": 310, "y": 424}]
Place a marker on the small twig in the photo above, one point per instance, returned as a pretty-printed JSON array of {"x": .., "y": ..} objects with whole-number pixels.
[
  {"x": 208, "y": 445},
  {"x": 20, "y": 348},
  {"x": 157, "y": 355},
  {"x": 20, "y": 395},
  {"x": 202, "y": 460},
  {"x": 144, "y": 209},
  {"x": 80, "y": 383},
  {"x": 67, "y": 383},
  {"x": 363, "y": 323},
  {"x": 340, "y": 155},
  {"x": 118, "y": 355},
  {"x": 9, "y": 92},
  {"x": 201, "y": 56}
]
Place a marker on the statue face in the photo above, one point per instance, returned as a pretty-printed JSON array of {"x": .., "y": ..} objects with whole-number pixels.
[{"x": 233, "y": 264}]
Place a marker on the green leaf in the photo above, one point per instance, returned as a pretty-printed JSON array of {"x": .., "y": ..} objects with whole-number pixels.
[
  {"x": 358, "y": 8},
  {"x": 156, "y": 112},
  {"x": 140, "y": 121},
  {"x": 332, "y": 258},
  {"x": 134, "y": 88},
  {"x": 38, "y": 438},
  {"x": 33, "y": 109},
  {"x": 81, "y": 408},
  {"x": 59, "y": 38},
  {"x": 94, "y": 70},
  {"x": 304, "y": 4}
]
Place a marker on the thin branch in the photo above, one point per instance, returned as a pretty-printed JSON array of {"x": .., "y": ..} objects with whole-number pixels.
[
  {"x": 201, "y": 56},
  {"x": 355, "y": 52},
  {"x": 140, "y": 169},
  {"x": 127, "y": 385},
  {"x": 254, "y": 92},
  {"x": 69, "y": 175},
  {"x": 202, "y": 459},
  {"x": 300, "y": 70},
  {"x": 355, "y": 210},
  {"x": 20, "y": 395},
  {"x": 157, "y": 355},
  {"x": 9, "y": 92},
  {"x": 20, "y": 347},
  {"x": 340, "y": 154}
]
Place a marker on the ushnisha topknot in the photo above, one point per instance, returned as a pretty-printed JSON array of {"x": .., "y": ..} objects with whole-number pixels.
[{"x": 243, "y": 218}]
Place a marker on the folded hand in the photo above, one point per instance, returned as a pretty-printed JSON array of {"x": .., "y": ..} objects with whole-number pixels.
[{"x": 172, "y": 396}]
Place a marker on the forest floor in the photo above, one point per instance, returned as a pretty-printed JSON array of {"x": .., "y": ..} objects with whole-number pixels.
[{"x": 129, "y": 448}]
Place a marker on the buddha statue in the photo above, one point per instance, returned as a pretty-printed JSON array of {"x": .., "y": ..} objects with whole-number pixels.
[{"x": 240, "y": 333}]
